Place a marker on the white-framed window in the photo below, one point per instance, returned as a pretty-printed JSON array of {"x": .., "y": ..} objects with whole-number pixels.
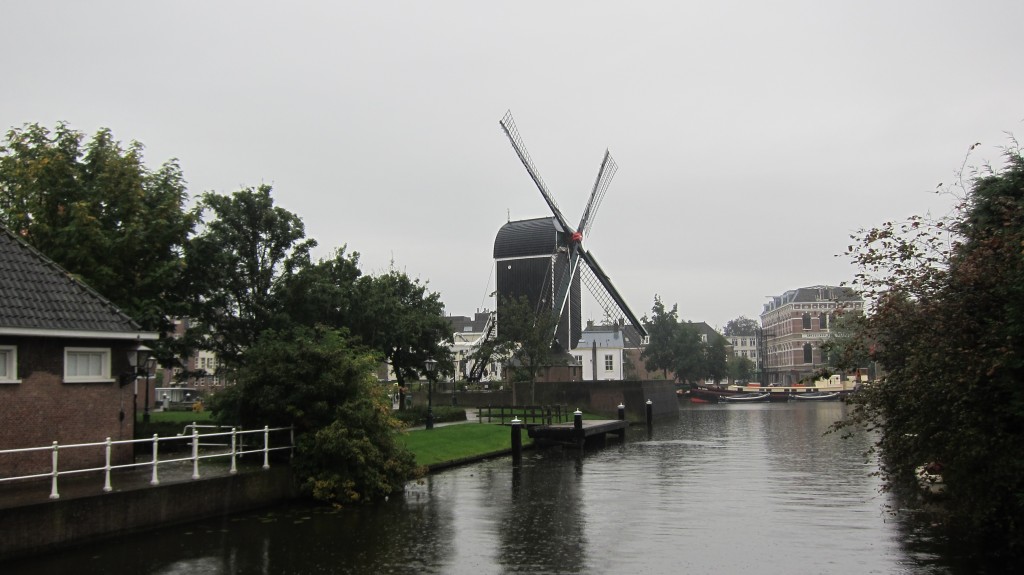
[
  {"x": 609, "y": 362},
  {"x": 87, "y": 364},
  {"x": 9, "y": 364}
]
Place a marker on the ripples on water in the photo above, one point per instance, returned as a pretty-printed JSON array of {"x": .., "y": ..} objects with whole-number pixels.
[{"x": 725, "y": 489}]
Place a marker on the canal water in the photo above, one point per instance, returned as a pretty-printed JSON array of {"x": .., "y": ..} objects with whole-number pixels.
[{"x": 755, "y": 489}]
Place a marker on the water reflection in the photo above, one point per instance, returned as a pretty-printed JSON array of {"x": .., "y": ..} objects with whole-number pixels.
[{"x": 725, "y": 489}]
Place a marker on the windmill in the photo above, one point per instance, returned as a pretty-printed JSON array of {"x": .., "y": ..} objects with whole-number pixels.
[{"x": 544, "y": 259}]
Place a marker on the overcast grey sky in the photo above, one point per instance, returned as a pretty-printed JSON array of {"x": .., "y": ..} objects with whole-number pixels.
[{"x": 752, "y": 137}]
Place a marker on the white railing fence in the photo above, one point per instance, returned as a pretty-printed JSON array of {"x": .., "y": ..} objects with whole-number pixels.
[{"x": 225, "y": 444}]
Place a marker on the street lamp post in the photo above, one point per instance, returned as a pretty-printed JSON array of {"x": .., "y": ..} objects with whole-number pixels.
[
  {"x": 150, "y": 366},
  {"x": 455, "y": 377},
  {"x": 430, "y": 365},
  {"x": 139, "y": 359}
]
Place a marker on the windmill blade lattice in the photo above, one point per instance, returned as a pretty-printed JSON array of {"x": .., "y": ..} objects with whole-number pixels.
[
  {"x": 604, "y": 179},
  {"x": 509, "y": 126},
  {"x": 600, "y": 286}
]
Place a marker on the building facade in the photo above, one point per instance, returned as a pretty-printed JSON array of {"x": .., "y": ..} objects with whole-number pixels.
[
  {"x": 795, "y": 324},
  {"x": 744, "y": 346},
  {"x": 600, "y": 353}
]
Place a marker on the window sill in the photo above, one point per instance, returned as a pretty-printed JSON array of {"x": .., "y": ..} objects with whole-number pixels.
[
  {"x": 88, "y": 380},
  {"x": 9, "y": 381}
]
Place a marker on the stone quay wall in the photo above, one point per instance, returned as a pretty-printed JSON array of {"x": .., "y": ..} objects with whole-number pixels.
[{"x": 40, "y": 527}]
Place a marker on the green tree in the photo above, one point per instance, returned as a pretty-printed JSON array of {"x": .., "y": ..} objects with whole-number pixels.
[
  {"x": 742, "y": 325},
  {"x": 404, "y": 321},
  {"x": 524, "y": 341},
  {"x": 236, "y": 268},
  {"x": 947, "y": 326},
  {"x": 845, "y": 349},
  {"x": 321, "y": 381},
  {"x": 740, "y": 368},
  {"x": 676, "y": 346},
  {"x": 324, "y": 292},
  {"x": 95, "y": 209},
  {"x": 662, "y": 327},
  {"x": 690, "y": 362},
  {"x": 716, "y": 358}
]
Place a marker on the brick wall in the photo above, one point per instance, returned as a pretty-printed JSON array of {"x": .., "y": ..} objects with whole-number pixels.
[{"x": 42, "y": 408}]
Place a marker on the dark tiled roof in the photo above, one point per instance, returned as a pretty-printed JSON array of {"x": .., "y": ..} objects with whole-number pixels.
[
  {"x": 527, "y": 238},
  {"x": 814, "y": 294},
  {"x": 624, "y": 335},
  {"x": 462, "y": 324},
  {"x": 37, "y": 294}
]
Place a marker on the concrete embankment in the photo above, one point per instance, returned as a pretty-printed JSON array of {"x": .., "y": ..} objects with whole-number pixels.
[{"x": 33, "y": 527}]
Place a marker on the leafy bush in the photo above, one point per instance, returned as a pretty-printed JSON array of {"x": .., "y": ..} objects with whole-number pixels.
[
  {"x": 947, "y": 325},
  {"x": 320, "y": 381}
]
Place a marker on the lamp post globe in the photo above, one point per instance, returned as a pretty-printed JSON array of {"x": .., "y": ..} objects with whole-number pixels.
[{"x": 429, "y": 366}]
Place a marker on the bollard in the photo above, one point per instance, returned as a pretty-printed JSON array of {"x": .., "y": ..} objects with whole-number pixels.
[
  {"x": 650, "y": 413},
  {"x": 577, "y": 426},
  {"x": 622, "y": 417},
  {"x": 517, "y": 442}
]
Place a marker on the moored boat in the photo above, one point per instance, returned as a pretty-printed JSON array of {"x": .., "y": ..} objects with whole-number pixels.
[
  {"x": 746, "y": 397},
  {"x": 706, "y": 395},
  {"x": 815, "y": 396}
]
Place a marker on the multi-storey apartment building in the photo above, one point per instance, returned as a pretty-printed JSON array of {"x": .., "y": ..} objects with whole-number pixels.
[
  {"x": 744, "y": 346},
  {"x": 795, "y": 324}
]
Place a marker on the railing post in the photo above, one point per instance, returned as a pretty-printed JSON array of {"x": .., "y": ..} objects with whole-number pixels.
[
  {"x": 195, "y": 451},
  {"x": 106, "y": 470},
  {"x": 266, "y": 447},
  {"x": 155, "y": 480},
  {"x": 53, "y": 483},
  {"x": 234, "y": 450},
  {"x": 291, "y": 433}
]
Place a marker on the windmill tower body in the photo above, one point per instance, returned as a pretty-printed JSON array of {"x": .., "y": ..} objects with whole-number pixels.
[{"x": 532, "y": 258}]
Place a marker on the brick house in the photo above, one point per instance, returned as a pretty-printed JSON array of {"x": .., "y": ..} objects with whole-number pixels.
[
  {"x": 796, "y": 324},
  {"x": 63, "y": 348}
]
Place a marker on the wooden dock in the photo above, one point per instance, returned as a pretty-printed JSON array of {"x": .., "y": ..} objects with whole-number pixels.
[{"x": 568, "y": 434}]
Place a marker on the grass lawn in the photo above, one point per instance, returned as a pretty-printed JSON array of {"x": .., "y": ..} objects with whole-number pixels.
[{"x": 454, "y": 442}]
